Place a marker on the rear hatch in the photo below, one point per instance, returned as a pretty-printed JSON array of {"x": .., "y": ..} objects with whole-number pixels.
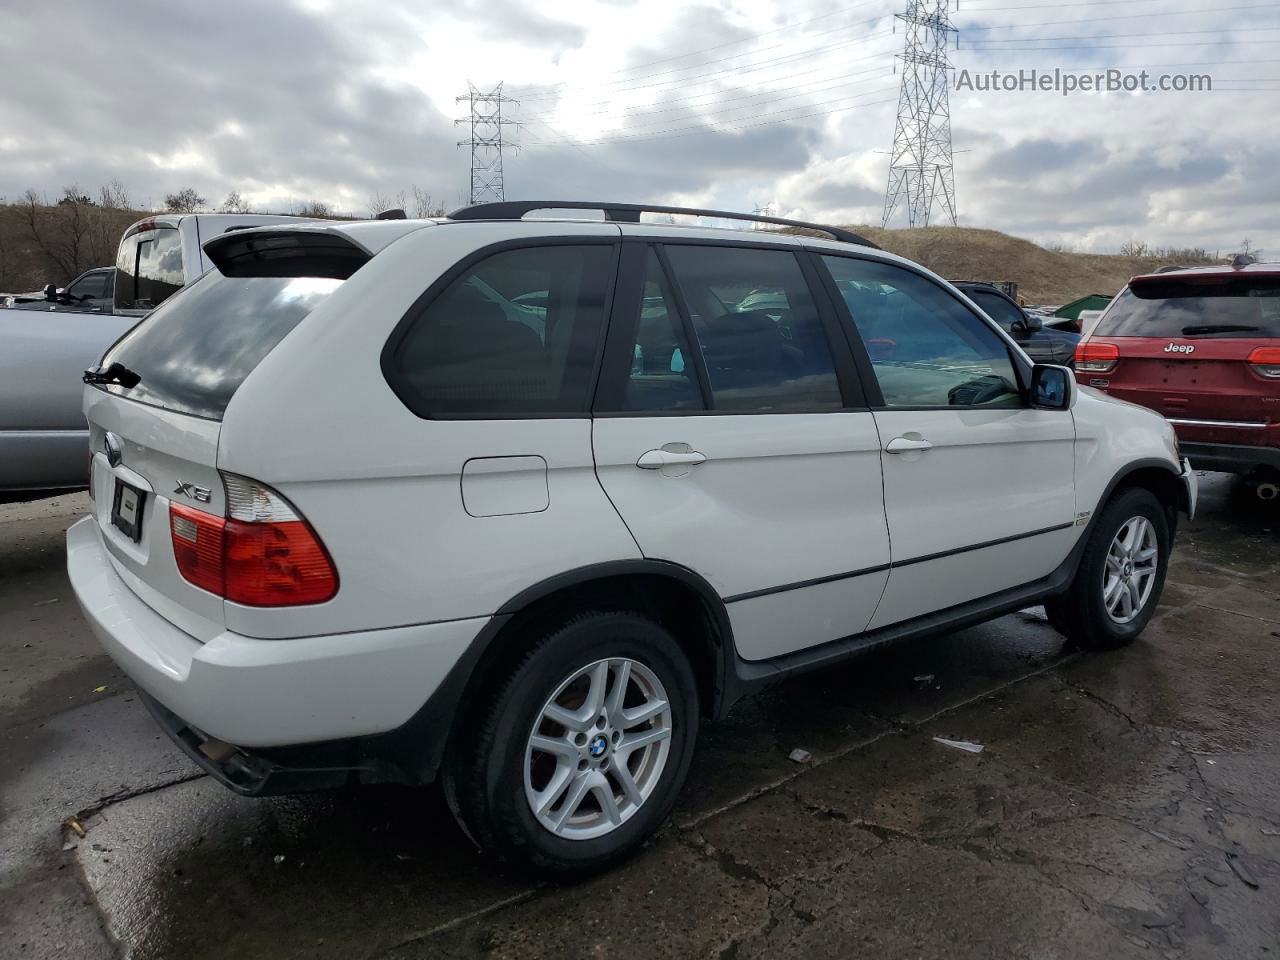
[
  {"x": 155, "y": 414},
  {"x": 1184, "y": 342}
]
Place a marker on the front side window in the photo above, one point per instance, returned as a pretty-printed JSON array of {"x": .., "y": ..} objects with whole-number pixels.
[
  {"x": 514, "y": 334},
  {"x": 997, "y": 308},
  {"x": 926, "y": 348},
  {"x": 761, "y": 336},
  {"x": 91, "y": 287}
]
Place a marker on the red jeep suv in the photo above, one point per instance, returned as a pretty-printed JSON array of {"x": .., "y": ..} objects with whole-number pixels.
[{"x": 1201, "y": 346}]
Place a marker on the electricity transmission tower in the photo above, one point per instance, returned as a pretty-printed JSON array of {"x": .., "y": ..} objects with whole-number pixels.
[
  {"x": 486, "y": 142},
  {"x": 921, "y": 172}
]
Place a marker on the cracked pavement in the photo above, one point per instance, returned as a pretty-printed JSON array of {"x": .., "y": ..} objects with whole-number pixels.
[{"x": 1123, "y": 805}]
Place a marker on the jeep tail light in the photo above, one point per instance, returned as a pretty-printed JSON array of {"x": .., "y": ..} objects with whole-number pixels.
[
  {"x": 1096, "y": 357},
  {"x": 1265, "y": 362},
  {"x": 262, "y": 554}
]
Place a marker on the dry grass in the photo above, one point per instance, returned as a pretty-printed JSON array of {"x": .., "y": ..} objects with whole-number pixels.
[{"x": 1043, "y": 276}]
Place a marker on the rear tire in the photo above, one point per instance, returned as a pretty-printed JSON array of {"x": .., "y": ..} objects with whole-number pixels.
[
  {"x": 1121, "y": 574},
  {"x": 564, "y": 770}
]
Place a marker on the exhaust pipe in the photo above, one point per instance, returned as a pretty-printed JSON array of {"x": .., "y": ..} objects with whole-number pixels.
[{"x": 1268, "y": 491}]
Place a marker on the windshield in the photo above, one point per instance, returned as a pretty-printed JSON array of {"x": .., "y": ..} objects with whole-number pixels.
[
  {"x": 1243, "y": 307},
  {"x": 196, "y": 349}
]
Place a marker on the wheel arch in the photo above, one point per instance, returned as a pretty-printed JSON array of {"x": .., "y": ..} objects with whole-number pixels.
[{"x": 1157, "y": 476}]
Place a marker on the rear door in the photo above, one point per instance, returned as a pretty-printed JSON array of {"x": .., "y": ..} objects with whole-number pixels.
[
  {"x": 1183, "y": 345},
  {"x": 732, "y": 437},
  {"x": 979, "y": 488}
]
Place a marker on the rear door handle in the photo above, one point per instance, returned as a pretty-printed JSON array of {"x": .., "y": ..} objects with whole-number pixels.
[
  {"x": 657, "y": 459},
  {"x": 907, "y": 444}
]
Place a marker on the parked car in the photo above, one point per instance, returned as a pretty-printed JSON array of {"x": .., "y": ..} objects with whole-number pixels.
[
  {"x": 1201, "y": 346},
  {"x": 1042, "y": 343},
  {"x": 91, "y": 292},
  {"x": 438, "y": 543},
  {"x": 43, "y": 434}
]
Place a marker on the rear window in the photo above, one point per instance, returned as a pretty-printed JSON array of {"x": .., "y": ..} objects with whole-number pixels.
[
  {"x": 1242, "y": 307},
  {"x": 148, "y": 268},
  {"x": 194, "y": 352}
]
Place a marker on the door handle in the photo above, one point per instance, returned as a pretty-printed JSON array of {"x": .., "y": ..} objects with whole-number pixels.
[
  {"x": 657, "y": 459},
  {"x": 907, "y": 444}
]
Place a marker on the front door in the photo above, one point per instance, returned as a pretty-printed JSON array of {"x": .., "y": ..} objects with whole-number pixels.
[
  {"x": 979, "y": 487},
  {"x": 731, "y": 438}
]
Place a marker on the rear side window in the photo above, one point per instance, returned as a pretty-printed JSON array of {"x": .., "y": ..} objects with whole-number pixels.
[
  {"x": 515, "y": 334},
  {"x": 761, "y": 336},
  {"x": 1244, "y": 307},
  {"x": 194, "y": 352},
  {"x": 148, "y": 268}
]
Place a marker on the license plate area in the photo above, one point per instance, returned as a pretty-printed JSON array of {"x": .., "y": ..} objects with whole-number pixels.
[{"x": 126, "y": 509}]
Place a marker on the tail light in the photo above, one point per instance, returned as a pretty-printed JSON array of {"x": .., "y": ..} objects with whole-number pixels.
[
  {"x": 1265, "y": 362},
  {"x": 1096, "y": 357},
  {"x": 262, "y": 554}
]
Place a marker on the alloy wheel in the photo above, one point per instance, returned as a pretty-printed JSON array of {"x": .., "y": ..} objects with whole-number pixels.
[
  {"x": 1129, "y": 576},
  {"x": 597, "y": 749}
]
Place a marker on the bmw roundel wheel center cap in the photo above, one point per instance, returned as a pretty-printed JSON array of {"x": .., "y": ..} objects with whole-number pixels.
[{"x": 598, "y": 746}]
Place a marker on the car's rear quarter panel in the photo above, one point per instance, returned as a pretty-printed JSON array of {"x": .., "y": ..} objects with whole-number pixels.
[{"x": 381, "y": 486}]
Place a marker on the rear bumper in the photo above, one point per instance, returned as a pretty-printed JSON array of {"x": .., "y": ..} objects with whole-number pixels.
[
  {"x": 265, "y": 694},
  {"x": 1230, "y": 457}
]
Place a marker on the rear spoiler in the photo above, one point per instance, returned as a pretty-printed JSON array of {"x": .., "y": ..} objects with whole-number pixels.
[{"x": 285, "y": 253}]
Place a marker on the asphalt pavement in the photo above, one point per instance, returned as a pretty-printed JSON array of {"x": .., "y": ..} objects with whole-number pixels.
[{"x": 1122, "y": 805}]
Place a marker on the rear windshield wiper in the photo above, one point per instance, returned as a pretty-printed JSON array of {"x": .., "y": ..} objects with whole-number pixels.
[
  {"x": 1219, "y": 328},
  {"x": 115, "y": 373}
]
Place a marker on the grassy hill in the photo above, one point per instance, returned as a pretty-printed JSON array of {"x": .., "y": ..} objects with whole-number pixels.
[{"x": 1043, "y": 276}]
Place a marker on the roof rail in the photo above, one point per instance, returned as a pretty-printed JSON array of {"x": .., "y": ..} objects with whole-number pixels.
[{"x": 630, "y": 213}]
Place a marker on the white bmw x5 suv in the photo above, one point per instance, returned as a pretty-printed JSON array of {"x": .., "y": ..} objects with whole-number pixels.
[{"x": 515, "y": 503}]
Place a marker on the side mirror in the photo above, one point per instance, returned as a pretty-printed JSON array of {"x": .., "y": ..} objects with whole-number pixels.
[
  {"x": 51, "y": 293},
  {"x": 1052, "y": 388},
  {"x": 1033, "y": 323}
]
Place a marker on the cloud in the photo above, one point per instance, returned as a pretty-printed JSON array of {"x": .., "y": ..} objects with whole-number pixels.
[{"x": 761, "y": 101}]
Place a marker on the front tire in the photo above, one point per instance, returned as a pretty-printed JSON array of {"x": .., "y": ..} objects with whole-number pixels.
[
  {"x": 1121, "y": 574},
  {"x": 583, "y": 748}
]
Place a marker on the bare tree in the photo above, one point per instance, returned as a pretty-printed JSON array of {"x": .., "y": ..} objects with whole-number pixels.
[
  {"x": 1135, "y": 248},
  {"x": 113, "y": 196},
  {"x": 234, "y": 203},
  {"x": 71, "y": 235},
  {"x": 315, "y": 208},
  {"x": 423, "y": 205},
  {"x": 376, "y": 203},
  {"x": 185, "y": 200}
]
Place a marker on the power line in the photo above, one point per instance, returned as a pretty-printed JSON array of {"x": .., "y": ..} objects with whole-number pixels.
[
  {"x": 1130, "y": 36},
  {"x": 702, "y": 128},
  {"x": 1131, "y": 16},
  {"x": 1114, "y": 46},
  {"x": 922, "y": 170},
  {"x": 728, "y": 43},
  {"x": 743, "y": 68},
  {"x": 486, "y": 141},
  {"x": 684, "y": 103}
]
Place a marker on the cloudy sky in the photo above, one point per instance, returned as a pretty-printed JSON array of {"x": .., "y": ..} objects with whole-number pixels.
[{"x": 718, "y": 103}]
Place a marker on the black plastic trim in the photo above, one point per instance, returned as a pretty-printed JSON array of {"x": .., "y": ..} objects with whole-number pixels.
[
  {"x": 630, "y": 213},
  {"x": 982, "y": 546},
  {"x": 1230, "y": 457},
  {"x": 801, "y": 584}
]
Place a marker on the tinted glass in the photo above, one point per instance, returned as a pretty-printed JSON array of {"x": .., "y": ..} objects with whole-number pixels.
[
  {"x": 927, "y": 348},
  {"x": 515, "y": 334},
  {"x": 149, "y": 269},
  {"x": 1234, "y": 307},
  {"x": 195, "y": 351},
  {"x": 760, "y": 333},
  {"x": 91, "y": 287},
  {"x": 997, "y": 308},
  {"x": 660, "y": 378}
]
